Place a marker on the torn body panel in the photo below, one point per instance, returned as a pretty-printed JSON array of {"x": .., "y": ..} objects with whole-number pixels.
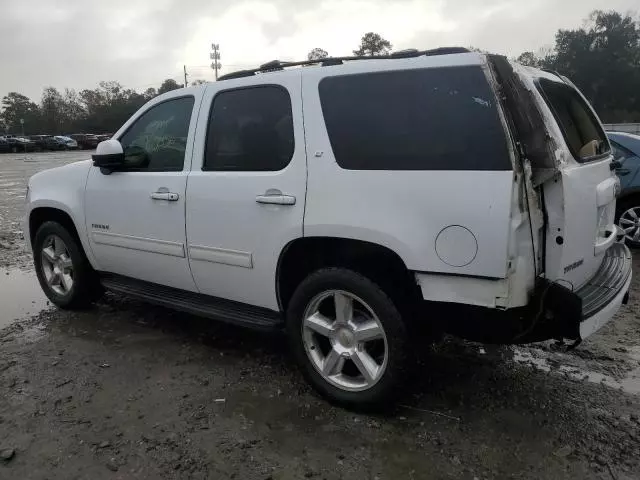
[
  {"x": 561, "y": 237},
  {"x": 564, "y": 192}
]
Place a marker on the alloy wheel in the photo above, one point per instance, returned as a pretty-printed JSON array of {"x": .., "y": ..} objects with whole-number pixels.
[
  {"x": 344, "y": 340},
  {"x": 630, "y": 223},
  {"x": 57, "y": 265}
]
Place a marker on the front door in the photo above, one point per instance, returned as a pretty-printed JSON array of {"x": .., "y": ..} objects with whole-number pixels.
[
  {"x": 246, "y": 192},
  {"x": 136, "y": 217}
]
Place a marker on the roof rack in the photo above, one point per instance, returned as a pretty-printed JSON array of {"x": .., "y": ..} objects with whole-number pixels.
[{"x": 276, "y": 65}]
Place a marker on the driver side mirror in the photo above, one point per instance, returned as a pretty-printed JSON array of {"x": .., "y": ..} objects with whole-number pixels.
[{"x": 109, "y": 156}]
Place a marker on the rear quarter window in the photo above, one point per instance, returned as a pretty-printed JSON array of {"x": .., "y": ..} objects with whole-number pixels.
[{"x": 425, "y": 119}]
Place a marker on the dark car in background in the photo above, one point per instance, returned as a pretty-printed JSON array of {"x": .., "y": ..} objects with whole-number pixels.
[
  {"x": 4, "y": 145},
  {"x": 86, "y": 141},
  {"x": 40, "y": 141},
  {"x": 626, "y": 151},
  {"x": 54, "y": 143},
  {"x": 21, "y": 144}
]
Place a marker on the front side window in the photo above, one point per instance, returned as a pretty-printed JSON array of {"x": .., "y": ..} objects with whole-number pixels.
[
  {"x": 581, "y": 129},
  {"x": 250, "y": 129},
  {"x": 423, "y": 119},
  {"x": 157, "y": 140}
]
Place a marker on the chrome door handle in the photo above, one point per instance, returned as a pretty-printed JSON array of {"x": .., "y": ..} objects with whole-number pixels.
[
  {"x": 277, "y": 199},
  {"x": 166, "y": 196}
]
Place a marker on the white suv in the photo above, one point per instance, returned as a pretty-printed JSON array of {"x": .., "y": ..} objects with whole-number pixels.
[{"x": 360, "y": 203}]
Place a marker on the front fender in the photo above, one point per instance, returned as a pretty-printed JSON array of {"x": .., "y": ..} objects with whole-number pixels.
[{"x": 63, "y": 189}]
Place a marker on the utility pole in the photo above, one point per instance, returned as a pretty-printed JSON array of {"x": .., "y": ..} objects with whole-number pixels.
[
  {"x": 215, "y": 56},
  {"x": 184, "y": 67}
]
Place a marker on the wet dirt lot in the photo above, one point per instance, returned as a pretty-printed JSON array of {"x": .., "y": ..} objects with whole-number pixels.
[{"x": 128, "y": 390}]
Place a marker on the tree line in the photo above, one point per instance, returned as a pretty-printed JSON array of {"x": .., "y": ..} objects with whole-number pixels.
[
  {"x": 101, "y": 110},
  {"x": 602, "y": 58}
]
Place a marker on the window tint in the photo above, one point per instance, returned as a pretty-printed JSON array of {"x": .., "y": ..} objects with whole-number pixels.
[
  {"x": 580, "y": 128},
  {"x": 428, "y": 119},
  {"x": 250, "y": 129},
  {"x": 157, "y": 140}
]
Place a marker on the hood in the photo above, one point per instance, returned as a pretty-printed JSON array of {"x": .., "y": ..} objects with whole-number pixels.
[{"x": 59, "y": 174}]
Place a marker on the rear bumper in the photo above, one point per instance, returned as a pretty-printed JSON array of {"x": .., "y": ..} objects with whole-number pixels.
[
  {"x": 606, "y": 291},
  {"x": 554, "y": 311}
]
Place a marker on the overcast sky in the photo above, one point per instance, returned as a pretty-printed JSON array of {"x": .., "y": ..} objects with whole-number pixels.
[{"x": 77, "y": 43}]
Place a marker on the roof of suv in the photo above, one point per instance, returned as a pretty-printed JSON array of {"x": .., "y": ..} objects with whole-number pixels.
[
  {"x": 277, "y": 65},
  {"x": 406, "y": 59}
]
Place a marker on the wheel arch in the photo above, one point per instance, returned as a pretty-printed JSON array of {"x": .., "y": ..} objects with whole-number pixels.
[
  {"x": 304, "y": 255},
  {"x": 46, "y": 213}
]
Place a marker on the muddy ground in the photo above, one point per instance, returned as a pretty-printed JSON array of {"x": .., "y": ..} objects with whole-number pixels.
[{"x": 128, "y": 390}]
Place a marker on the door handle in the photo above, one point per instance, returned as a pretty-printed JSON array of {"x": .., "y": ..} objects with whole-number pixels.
[
  {"x": 276, "y": 199},
  {"x": 166, "y": 196}
]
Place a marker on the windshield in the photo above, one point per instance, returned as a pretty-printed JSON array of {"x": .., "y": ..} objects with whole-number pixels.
[{"x": 580, "y": 127}]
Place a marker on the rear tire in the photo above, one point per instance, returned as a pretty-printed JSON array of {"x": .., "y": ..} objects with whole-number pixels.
[
  {"x": 64, "y": 273},
  {"x": 348, "y": 338}
]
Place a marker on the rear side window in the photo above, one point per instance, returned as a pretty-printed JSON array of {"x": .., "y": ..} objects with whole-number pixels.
[
  {"x": 581, "y": 129},
  {"x": 427, "y": 119},
  {"x": 250, "y": 129}
]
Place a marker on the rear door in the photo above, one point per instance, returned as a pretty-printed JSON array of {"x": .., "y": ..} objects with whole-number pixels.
[
  {"x": 580, "y": 198},
  {"x": 581, "y": 202},
  {"x": 246, "y": 190},
  {"x": 571, "y": 184}
]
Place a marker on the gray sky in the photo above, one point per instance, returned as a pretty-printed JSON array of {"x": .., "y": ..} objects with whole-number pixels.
[{"x": 77, "y": 43}]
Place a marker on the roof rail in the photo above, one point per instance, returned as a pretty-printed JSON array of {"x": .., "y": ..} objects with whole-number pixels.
[{"x": 276, "y": 65}]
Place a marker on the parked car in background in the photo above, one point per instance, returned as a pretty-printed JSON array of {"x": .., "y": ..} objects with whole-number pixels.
[
  {"x": 40, "y": 141},
  {"x": 86, "y": 141},
  {"x": 69, "y": 143},
  {"x": 626, "y": 151},
  {"x": 53, "y": 143},
  {"x": 103, "y": 137},
  {"x": 4, "y": 145},
  {"x": 21, "y": 144}
]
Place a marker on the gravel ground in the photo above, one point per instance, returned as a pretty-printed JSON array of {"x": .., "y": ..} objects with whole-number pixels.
[{"x": 129, "y": 390}]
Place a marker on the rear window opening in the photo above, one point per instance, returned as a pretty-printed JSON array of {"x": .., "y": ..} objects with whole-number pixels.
[{"x": 580, "y": 128}]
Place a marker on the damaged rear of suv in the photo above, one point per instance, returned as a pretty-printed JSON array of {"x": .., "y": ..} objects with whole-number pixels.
[{"x": 565, "y": 174}]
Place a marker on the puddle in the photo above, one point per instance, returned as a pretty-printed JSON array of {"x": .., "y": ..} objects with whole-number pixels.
[
  {"x": 20, "y": 296},
  {"x": 630, "y": 383}
]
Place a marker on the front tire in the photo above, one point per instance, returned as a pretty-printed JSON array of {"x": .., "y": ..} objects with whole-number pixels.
[
  {"x": 64, "y": 272},
  {"x": 348, "y": 338}
]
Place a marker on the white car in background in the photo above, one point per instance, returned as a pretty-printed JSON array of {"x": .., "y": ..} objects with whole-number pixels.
[{"x": 361, "y": 204}]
